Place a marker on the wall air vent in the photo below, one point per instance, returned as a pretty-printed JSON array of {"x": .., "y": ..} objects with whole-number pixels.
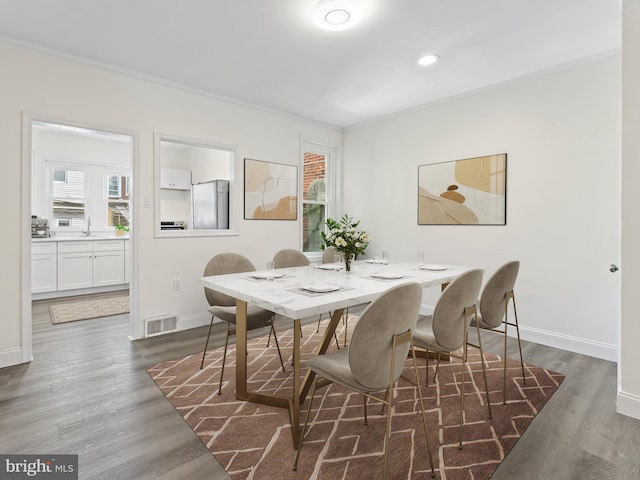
[{"x": 161, "y": 324}]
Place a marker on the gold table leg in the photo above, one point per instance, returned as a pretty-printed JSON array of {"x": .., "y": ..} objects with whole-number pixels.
[
  {"x": 300, "y": 389},
  {"x": 294, "y": 403},
  {"x": 241, "y": 350}
]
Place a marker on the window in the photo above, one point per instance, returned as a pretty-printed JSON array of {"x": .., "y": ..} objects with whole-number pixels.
[
  {"x": 318, "y": 163},
  {"x": 118, "y": 211},
  {"x": 79, "y": 191},
  {"x": 60, "y": 176},
  {"x": 115, "y": 186},
  {"x": 68, "y": 197}
]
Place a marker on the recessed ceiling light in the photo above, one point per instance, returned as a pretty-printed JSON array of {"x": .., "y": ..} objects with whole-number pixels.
[
  {"x": 337, "y": 14},
  {"x": 428, "y": 59}
]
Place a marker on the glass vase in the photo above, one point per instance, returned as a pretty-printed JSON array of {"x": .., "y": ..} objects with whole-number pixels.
[{"x": 348, "y": 258}]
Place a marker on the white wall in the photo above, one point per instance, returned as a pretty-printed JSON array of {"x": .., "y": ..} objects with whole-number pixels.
[
  {"x": 561, "y": 132},
  {"x": 628, "y": 374},
  {"x": 209, "y": 164},
  {"x": 75, "y": 93}
]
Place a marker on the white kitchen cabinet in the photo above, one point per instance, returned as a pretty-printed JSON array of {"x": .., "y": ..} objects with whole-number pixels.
[
  {"x": 108, "y": 268},
  {"x": 108, "y": 245},
  {"x": 44, "y": 267},
  {"x": 91, "y": 263},
  {"x": 77, "y": 246},
  {"x": 75, "y": 265},
  {"x": 75, "y": 270},
  {"x": 174, "y": 179}
]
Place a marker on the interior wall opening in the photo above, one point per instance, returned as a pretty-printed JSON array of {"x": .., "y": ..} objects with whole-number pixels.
[{"x": 81, "y": 193}]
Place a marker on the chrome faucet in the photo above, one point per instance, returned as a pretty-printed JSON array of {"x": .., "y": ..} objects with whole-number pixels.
[{"x": 87, "y": 232}]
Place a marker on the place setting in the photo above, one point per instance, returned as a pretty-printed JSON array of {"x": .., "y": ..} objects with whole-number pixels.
[
  {"x": 382, "y": 260},
  {"x": 387, "y": 276},
  {"x": 269, "y": 274},
  {"x": 381, "y": 270},
  {"x": 316, "y": 289},
  {"x": 266, "y": 276},
  {"x": 330, "y": 266},
  {"x": 433, "y": 268},
  {"x": 429, "y": 267}
]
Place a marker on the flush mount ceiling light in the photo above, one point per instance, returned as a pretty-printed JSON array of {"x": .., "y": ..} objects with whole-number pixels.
[
  {"x": 428, "y": 59},
  {"x": 337, "y": 14}
]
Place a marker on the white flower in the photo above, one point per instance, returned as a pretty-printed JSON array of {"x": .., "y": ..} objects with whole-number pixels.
[{"x": 345, "y": 236}]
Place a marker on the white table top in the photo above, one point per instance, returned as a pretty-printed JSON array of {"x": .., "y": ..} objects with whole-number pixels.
[{"x": 283, "y": 295}]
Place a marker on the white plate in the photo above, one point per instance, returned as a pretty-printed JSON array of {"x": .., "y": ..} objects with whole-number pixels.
[
  {"x": 320, "y": 288},
  {"x": 388, "y": 276},
  {"x": 329, "y": 266},
  {"x": 267, "y": 276},
  {"x": 433, "y": 268},
  {"x": 381, "y": 262}
]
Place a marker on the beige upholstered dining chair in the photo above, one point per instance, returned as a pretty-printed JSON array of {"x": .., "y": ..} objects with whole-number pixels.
[
  {"x": 446, "y": 331},
  {"x": 329, "y": 254},
  {"x": 224, "y": 307},
  {"x": 289, "y": 257},
  {"x": 493, "y": 306},
  {"x": 375, "y": 358}
]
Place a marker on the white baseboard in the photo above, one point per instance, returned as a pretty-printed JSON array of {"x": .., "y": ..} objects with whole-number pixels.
[
  {"x": 193, "y": 321},
  {"x": 80, "y": 291},
  {"x": 426, "y": 309},
  {"x": 584, "y": 346},
  {"x": 628, "y": 404},
  {"x": 552, "y": 339},
  {"x": 10, "y": 356}
]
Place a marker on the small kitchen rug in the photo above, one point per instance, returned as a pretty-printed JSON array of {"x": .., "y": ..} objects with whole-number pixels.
[{"x": 86, "y": 309}]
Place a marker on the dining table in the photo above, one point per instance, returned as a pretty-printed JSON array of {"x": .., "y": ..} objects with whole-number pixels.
[{"x": 300, "y": 293}]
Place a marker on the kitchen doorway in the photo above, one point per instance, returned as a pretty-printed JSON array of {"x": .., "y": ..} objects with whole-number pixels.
[{"x": 79, "y": 204}]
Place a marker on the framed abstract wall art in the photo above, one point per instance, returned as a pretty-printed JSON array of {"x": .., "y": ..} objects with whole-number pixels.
[
  {"x": 463, "y": 192},
  {"x": 270, "y": 190}
]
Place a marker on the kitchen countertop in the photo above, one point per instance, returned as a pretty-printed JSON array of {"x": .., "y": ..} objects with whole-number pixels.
[{"x": 62, "y": 238}]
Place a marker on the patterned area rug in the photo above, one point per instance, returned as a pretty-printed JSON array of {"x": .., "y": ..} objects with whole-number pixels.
[
  {"x": 84, "y": 310},
  {"x": 254, "y": 441}
]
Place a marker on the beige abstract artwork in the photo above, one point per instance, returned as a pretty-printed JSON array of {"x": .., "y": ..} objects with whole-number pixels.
[
  {"x": 270, "y": 190},
  {"x": 463, "y": 192}
]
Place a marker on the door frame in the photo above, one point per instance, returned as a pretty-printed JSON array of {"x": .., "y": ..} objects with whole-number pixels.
[{"x": 25, "y": 286}]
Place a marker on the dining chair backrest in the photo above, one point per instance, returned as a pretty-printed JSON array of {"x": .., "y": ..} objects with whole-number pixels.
[
  {"x": 392, "y": 313},
  {"x": 493, "y": 299},
  {"x": 449, "y": 316},
  {"x": 328, "y": 256},
  {"x": 222, "y": 264},
  {"x": 289, "y": 257}
]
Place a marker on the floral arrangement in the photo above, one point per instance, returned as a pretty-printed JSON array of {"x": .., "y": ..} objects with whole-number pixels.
[{"x": 346, "y": 238}]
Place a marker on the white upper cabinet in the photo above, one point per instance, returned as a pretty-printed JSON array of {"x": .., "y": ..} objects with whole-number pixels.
[{"x": 174, "y": 179}]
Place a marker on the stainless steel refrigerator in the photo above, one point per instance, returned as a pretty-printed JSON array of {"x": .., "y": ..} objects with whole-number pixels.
[{"x": 210, "y": 205}]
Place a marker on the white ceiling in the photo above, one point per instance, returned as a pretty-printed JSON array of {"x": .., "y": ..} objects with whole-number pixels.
[{"x": 268, "y": 53}]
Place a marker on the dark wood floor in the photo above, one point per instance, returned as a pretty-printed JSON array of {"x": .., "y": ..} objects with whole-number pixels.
[{"x": 87, "y": 392}]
